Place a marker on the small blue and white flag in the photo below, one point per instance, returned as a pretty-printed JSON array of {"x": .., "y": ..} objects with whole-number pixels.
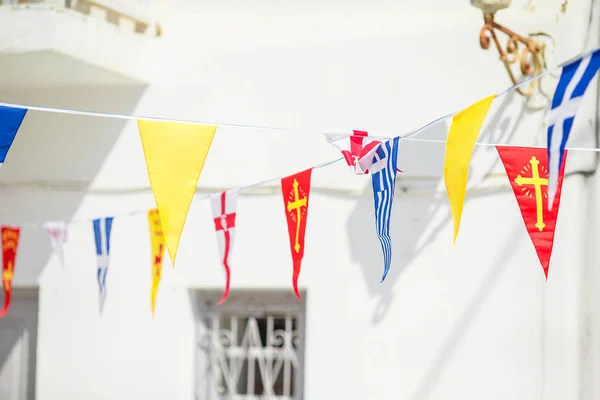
[
  {"x": 574, "y": 80},
  {"x": 383, "y": 175},
  {"x": 102, "y": 229},
  {"x": 10, "y": 121}
]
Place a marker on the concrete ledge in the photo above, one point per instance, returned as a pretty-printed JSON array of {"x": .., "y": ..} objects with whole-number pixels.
[{"x": 95, "y": 52}]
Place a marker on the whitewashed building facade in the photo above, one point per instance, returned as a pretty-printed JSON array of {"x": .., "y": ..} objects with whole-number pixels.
[{"x": 473, "y": 321}]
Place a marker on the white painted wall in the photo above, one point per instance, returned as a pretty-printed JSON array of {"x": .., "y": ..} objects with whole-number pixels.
[{"x": 474, "y": 321}]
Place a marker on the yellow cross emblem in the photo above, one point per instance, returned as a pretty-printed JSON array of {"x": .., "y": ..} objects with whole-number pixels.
[
  {"x": 537, "y": 183},
  {"x": 296, "y": 205}
]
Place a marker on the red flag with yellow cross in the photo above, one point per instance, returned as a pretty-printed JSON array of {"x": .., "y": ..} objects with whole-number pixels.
[
  {"x": 295, "y": 190},
  {"x": 528, "y": 175},
  {"x": 10, "y": 242}
]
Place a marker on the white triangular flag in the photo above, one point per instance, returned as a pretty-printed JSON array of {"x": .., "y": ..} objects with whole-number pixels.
[{"x": 57, "y": 232}]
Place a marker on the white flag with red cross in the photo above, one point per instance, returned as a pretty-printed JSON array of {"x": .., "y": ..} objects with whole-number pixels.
[
  {"x": 224, "y": 207},
  {"x": 57, "y": 232}
]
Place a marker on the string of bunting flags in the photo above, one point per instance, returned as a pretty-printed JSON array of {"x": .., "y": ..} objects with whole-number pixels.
[{"x": 175, "y": 152}]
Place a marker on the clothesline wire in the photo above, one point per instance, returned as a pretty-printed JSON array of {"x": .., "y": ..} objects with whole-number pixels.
[
  {"x": 592, "y": 149},
  {"x": 33, "y": 225},
  {"x": 260, "y": 127},
  {"x": 322, "y": 165}
]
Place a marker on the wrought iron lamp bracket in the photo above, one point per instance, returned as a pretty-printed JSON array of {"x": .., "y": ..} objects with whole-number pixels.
[{"x": 528, "y": 51}]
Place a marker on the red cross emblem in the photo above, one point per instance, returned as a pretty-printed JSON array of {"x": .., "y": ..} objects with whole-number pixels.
[
  {"x": 225, "y": 222},
  {"x": 357, "y": 149}
]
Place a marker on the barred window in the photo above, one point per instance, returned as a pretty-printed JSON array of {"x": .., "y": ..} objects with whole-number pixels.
[{"x": 250, "y": 348}]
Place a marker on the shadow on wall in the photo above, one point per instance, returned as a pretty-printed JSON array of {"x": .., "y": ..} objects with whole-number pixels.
[
  {"x": 457, "y": 331},
  {"x": 60, "y": 148},
  {"x": 410, "y": 228},
  {"x": 406, "y": 228}
]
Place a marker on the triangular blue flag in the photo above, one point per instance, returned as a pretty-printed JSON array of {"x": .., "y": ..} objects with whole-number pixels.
[{"x": 10, "y": 121}]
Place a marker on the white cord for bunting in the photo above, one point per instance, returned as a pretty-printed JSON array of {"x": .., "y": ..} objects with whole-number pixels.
[
  {"x": 219, "y": 124},
  {"x": 269, "y": 128},
  {"x": 436, "y": 194},
  {"x": 592, "y": 149},
  {"x": 32, "y": 225}
]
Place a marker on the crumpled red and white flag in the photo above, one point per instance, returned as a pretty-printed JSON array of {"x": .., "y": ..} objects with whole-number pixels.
[{"x": 358, "y": 150}]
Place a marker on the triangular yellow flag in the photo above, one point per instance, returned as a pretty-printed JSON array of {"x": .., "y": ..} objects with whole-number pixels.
[
  {"x": 459, "y": 148},
  {"x": 175, "y": 155}
]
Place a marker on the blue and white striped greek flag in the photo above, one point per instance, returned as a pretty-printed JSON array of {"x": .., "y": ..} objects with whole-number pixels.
[
  {"x": 383, "y": 176},
  {"x": 574, "y": 80},
  {"x": 102, "y": 229}
]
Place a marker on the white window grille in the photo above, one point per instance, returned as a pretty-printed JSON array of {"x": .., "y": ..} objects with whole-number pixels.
[{"x": 250, "y": 348}]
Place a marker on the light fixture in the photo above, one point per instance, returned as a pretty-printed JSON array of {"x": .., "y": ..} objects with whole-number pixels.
[{"x": 527, "y": 50}]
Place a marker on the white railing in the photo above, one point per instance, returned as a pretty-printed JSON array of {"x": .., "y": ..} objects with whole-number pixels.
[{"x": 132, "y": 15}]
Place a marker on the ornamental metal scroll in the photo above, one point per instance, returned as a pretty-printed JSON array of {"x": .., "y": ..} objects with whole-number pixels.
[
  {"x": 528, "y": 51},
  {"x": 251, "y": 359}
]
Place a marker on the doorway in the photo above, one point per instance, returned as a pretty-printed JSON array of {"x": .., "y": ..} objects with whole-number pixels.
[{"x": 18, "y": 346}]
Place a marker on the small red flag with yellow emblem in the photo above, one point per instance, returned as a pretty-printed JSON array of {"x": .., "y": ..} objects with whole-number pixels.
[
  {"x": 10, "y": 241},
  {"x": 295, "y": 190},
  {"x": 526, "y": 168}
]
